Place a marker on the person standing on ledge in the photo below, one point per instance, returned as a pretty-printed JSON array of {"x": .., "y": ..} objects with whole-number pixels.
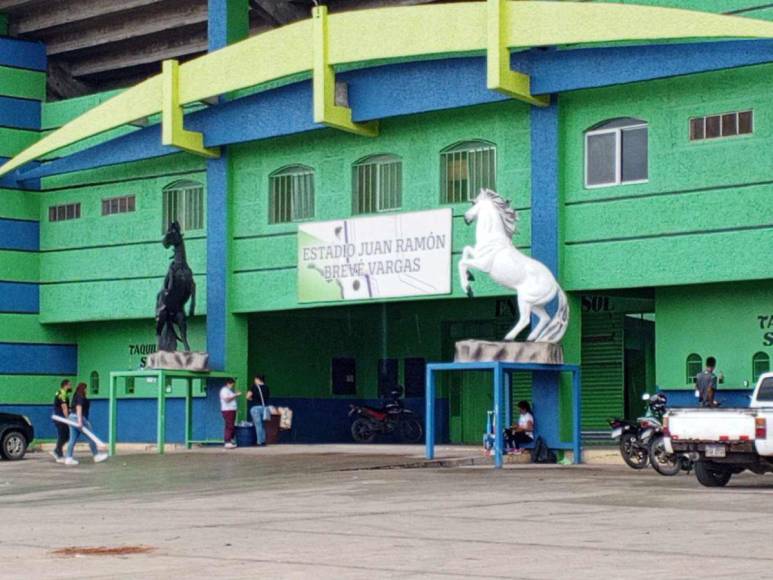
[
  {"x": 706, "y": 383},
  {"x": 257, "y": 406},
  {"x": 61, "y": 409},
  {"x": 228, "y": 406}
]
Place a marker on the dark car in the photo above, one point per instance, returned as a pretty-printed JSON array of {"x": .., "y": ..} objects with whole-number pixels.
[{"x": 16, "y": 433}]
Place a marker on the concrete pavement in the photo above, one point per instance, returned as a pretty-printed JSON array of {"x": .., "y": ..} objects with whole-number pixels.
[{"x": 342, "y": 513}]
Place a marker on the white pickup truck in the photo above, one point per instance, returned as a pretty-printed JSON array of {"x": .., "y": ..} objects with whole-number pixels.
[{"x": 725, "y": 441}]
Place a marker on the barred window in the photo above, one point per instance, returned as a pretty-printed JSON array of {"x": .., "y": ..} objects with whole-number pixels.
[
  {"x": 694, "y": 367},
  {"x": 114, "y": 205},
  {"x": 466, "y": 168},
  {"x": 616, "y": 152},
  {"x": 291, "y": 194},
  {"x": 760, "y": 365},
  {"x": 721, "y": 125},
  {"x": 94, "y": 383},
  {"x": 68, "y": 211},
  {"x": 184, "y": 203},
  {"x": 377, "y": 184}
]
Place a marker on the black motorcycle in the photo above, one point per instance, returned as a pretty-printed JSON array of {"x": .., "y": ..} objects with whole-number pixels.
[
  {"x": 652, "y": 435},
  {"x": 393, "y": 417},
  {"x": 634, "y": 452}
]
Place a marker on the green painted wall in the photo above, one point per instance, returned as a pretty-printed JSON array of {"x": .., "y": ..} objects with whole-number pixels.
[
  {"x": 719, "y": 320},
  {"x": 266, "y": 254},
  {"x": 704, "y": 214}
]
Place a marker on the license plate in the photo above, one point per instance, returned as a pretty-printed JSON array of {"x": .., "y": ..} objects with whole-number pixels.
[
  {"x": 617, "y": 432},
  {"x": 715, "y": 451}
]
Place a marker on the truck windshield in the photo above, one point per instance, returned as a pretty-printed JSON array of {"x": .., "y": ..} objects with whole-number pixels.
[{"x": 766, "y": 390}]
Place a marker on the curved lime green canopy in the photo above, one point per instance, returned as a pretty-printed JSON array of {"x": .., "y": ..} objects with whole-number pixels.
[{"x": 393, "y": 34}]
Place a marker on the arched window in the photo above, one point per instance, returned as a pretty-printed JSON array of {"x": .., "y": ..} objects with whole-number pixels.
[
  {"x": 694, "y": 366},
  {"x": 760, "y": 364},
  {"x": 616, "y": 152},
  {"x": 377, "y": 184},
  {"x": 465, "y": 168},
  {"x": 184, "y": 202},
  {"x": 291, "y": 194},
  {"x": 94, "y": 383}
]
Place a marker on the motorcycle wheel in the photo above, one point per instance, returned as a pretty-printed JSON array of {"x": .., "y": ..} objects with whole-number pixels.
[
  {"x": 633, "y": 455},
  {"x": 411, "y": 430},
  {"x": 663, "y": 462},
  {"x": 362, "y": 431}
]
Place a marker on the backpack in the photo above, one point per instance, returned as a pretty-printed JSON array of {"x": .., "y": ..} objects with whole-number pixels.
[{"x": 542, "y": 453}]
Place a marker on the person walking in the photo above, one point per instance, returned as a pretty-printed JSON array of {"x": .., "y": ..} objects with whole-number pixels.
[
  {"x": 228, "y": 406},
  {"x": 257, "y": 406},
  {"x": 79, "y": 413},
  {"x": 61, "y": 409}
]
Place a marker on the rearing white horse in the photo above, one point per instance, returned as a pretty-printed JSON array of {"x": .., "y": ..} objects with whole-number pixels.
[{"x": 495, "y": 254}]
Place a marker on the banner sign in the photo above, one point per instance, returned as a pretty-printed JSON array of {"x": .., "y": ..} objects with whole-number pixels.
[{"x": 384, "y": 256}]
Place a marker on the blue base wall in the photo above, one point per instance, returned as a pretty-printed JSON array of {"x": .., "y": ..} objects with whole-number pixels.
[
  {"x": 727, "y": 398},
  {"x": 314, "y": 420}
]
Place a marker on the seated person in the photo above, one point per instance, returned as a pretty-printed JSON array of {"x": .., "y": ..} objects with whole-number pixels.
[{"x": 523, "y": 432}]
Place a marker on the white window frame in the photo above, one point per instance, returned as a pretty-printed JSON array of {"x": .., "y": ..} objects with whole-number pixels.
[
  {"x": 618, "y": 132},
  {"x": 379, "y": 163},
  {"x": 295, "y": 172}
]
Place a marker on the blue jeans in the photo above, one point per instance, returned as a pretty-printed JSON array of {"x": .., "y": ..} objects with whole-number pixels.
[
  {"x": 257, "y": 419},
  {"x": 76, "y": 433}
]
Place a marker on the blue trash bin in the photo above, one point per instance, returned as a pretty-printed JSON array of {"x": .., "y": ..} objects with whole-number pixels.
[{"x": 246, "y": 436}]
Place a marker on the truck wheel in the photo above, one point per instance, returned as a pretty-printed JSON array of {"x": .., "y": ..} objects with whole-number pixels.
[
  {"x": 711, "y": 475},
  {"x": 661, "y": 461}
]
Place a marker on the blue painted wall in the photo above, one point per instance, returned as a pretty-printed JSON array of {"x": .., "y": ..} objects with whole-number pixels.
[
  {"x": 19, "y": 297},
  {"x": 19, "y": 235},
  {"x": 38, "y": 359}
]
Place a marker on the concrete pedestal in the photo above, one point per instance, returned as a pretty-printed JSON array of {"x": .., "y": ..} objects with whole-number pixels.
[
  {"x": 520, "y": 352},
  {"x": 176, "y": 360}
]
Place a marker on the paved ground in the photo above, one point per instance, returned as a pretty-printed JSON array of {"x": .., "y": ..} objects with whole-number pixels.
[{"x": 327, "y": 512}]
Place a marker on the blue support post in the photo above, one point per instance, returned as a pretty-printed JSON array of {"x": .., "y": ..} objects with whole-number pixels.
[
  {"x": 576, "y": 416},
  {"x": 498, "y": 414},
  {"x": 429, "y": 420},
  {"x": 508, "y": 399}
]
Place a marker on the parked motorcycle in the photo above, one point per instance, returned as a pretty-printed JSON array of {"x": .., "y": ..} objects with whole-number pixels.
[
  {"x": 393, "y": 417},
  {"x": 634, "y": 452},
  {"x": 652, "y": 435}
]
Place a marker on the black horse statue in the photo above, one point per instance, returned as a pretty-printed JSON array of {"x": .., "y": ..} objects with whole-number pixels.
[{"x": 178, "y": 288}]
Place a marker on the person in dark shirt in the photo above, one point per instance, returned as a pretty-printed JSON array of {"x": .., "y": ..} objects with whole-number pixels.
[
  {"x": 79, "y": 413},
  {"x": 257, "y": 406},
  {"x": 61, "y": 409},
  {"x": 706, "y": 383}
]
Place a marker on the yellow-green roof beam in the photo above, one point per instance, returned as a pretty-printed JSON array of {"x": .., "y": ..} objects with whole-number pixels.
[{"x": 397, "y": 33}]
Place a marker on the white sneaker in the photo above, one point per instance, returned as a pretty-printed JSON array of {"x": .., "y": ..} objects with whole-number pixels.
[
  {"x": 56, "y": 457},
  {"x": 100, "y": 457},
  {"x": 71, "y": 461},
  {"x": 229, "y": 445}
]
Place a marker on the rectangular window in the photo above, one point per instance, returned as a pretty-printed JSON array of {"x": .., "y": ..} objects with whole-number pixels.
[
  {"x": 59, "y": 213},
  {"x": 388, "y": 378},
  {"x": 415, "y": 373},
  {"x": 343, "y": 376},
  {"x": 114, "y": 205},
  {"x": 183, "y": 203},
  {"x": 616, "y": 154},
  {"x": 722, "y": 125}
]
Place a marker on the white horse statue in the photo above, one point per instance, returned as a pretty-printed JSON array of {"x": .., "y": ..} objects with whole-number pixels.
[{"x": 495, "y": 253}]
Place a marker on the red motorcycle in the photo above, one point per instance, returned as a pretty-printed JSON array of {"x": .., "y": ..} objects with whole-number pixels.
[{"x": 392, "y": 418}]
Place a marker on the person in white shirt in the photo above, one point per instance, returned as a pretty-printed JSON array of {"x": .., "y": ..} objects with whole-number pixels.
[
  {"x": 228, "y": 406},
  {"x": 523, "y": 431}
]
